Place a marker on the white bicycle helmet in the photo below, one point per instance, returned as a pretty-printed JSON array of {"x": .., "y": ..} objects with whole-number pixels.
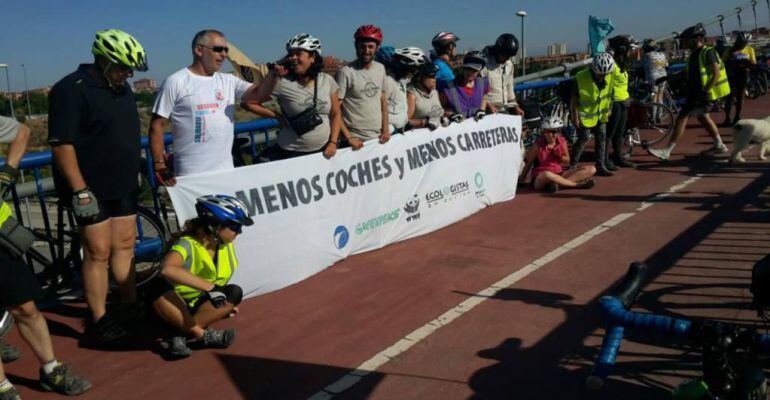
[
  {"x": 305, "y": 42},
  {"x": 410, "y": 56},
  {"x": 552, "y": 122},
  {"x": 603, "y": 63}
]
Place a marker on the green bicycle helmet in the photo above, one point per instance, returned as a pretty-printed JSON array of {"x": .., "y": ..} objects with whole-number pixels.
[{"x": 120, "y": 48}]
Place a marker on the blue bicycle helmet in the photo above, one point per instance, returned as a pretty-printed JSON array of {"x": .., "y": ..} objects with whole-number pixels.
[
  {"x": 385, "y": 55},
  {"x": 223, "y": 210}
]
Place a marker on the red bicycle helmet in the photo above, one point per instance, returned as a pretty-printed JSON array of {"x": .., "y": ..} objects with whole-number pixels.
[{"x": 370, "y": 32}]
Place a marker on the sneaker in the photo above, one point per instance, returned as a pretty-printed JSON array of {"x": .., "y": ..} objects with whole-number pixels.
[
  {"x": 107, "y": 332},
  {"x": 9, "y": 353},
  {"x": 610, "y": 165},
  {"x": 601, "y": 171},
  {"x": 218, "y": 338},
  {"x": 662, "y": 154},
  {"x": 176, "y": 347},
  {"x": 551, "y": 187},
  {"x": 10, "y": 394},
  {"x": 624, "y": 163},
  {"x": 715, "y": 149},
  {"x": 585, "y": 184},
  {"x": 63, "y": 381},
  {"x": 6, "y": 323}
]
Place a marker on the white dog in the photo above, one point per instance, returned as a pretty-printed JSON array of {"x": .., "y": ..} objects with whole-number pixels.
[{"x": 746, "y": 130}]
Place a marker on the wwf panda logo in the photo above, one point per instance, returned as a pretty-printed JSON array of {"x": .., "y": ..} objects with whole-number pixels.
[{"x": 412, "y": 208}]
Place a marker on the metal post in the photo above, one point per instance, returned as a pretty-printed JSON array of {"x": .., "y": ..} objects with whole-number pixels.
[
  {"x": 754, "y": 10},
  {"x": 738, "y": 14},
  {"x": 721, "y": 18},
  {"x": 522, "y": 15},
  {"x": 10, "y": 95},
  {"x": 26, "y": 89}
]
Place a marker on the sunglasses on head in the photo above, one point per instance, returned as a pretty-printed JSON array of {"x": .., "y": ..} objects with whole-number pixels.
[{"x": 218, "y": 49}]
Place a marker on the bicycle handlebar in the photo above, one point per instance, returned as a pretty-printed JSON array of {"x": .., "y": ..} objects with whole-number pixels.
[{"x": 614, "y": 307}]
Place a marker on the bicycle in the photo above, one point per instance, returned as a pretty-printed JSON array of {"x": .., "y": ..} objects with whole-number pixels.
[
  {"x": 61, "y": 267},
  {"x": 648, "y": 122},
  {"x": 729, "y": 351},
  {"x": 757, "y": 83}
]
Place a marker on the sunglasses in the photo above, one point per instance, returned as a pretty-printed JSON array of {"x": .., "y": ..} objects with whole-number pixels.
[
  {"x": 237, "y": 228},
  {"x": 218, "y": 49}
]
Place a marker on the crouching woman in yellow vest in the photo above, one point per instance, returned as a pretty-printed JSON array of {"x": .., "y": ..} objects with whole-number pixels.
[
  {"x": 590, "y": 109},
  {"x": 194, "y": 291}
]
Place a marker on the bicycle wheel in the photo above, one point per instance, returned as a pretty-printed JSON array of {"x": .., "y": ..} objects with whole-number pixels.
[
  {"x": 650, "y": 122},
  {"x": 754, "y": 88},
  {"x": 151, "y": 242}
]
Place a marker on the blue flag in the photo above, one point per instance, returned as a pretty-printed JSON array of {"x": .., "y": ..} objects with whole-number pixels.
[{"x": 598, "y": 29}]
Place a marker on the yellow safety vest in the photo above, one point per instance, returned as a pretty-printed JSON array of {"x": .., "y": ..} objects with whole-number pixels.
[
  {"x": 619, "y": 85},
  {"x": 5, "y": 212},
  {"x": 593, "y": 104},
  {"x": 722, "y": 87},
  {"x": 197, "y": 260}
]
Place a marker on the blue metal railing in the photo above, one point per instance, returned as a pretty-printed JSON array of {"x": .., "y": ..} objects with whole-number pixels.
[{"x": 37, "y": 161}]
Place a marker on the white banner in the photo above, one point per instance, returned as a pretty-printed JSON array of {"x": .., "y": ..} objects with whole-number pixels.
[{"x": 310, "y": 212}]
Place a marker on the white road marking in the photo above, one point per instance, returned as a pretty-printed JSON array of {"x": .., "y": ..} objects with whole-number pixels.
[{"x": 405, "y": 343}]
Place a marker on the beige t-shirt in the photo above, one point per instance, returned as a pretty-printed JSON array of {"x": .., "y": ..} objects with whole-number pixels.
[
  {"x": 361, "y": 93},
  {"x": 294, "y": 99},
  {"x": 427, "y": 106}
]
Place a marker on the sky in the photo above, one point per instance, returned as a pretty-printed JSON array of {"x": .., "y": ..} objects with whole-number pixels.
[{"x": 52, "y": 37}]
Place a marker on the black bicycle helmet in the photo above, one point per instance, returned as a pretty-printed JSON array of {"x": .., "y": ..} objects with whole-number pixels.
[
  {"x": 621, "y": 42},
  {"x": 444, "y": 39},
  {"x": 474, "y": 60},
  {"x": 427, "y": 69},
  {"x": 649, "y": 45},
  {"x": 742, "y": 38},
  {"x": 506, "y": 45},
  {"x": 693, "y": 32}
]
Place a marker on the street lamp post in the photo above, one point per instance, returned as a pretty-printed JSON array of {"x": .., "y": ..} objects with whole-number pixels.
[
  {"x": 523, "y": 14},
  {"x": 10, "y": 95},
  {"x": 26, "y": 89}
]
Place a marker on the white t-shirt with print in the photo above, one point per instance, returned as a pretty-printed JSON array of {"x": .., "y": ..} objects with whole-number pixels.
[
  {"x": 201, "y": 110},
  {"x": 395, "y": 93}
]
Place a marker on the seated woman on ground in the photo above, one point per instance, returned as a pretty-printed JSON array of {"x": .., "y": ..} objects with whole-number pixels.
[
  {"x": 298, "y": 84},
  {"x": 551, "y": 153},
  {"x": 464, "y": 96},
  {"x": 423, "y": 105},
  {"x": 194, "y": 292}
]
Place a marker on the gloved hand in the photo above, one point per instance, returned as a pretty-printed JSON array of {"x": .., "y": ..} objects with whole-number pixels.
[
  {"x": 456, "y": 118},
  {"x": 217, "y": 296},
  {"x": 84, "y": 204},
  {"x": 164, "y": 176},
  {"x": 430, "y": 125},
  {"x": 479, "y": 115},
  {"x": 8, "y": 176}
]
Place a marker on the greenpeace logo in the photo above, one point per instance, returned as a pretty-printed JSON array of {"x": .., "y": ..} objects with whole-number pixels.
[{"x": 377, "y": 221}]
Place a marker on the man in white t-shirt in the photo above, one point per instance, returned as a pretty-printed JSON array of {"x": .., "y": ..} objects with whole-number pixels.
[
  {"x": 499, "y": 71},
  {"x": 200, "y": 103}
]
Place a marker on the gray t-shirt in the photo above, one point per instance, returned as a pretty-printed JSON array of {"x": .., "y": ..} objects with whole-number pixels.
[
  {"x": 9, "y": 128},
  {"x": 361, "y": 93},
  {"x": 395, "y": 93},
  {"x": 294, "y": 98},
  {"x": 426, "y": 105}
]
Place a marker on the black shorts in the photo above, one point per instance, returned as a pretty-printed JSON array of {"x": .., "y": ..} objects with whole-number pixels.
[
  {"x": 122, "y": 207},
  {"x": 17, "y": 282},
  {"x": 158, "y": 286}
]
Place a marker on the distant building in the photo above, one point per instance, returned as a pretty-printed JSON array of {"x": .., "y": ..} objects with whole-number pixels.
[
  {"x": 145, "y": 85},
  {"x": 552, "y": 61},
  {"x": 557, "y": 49}
]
